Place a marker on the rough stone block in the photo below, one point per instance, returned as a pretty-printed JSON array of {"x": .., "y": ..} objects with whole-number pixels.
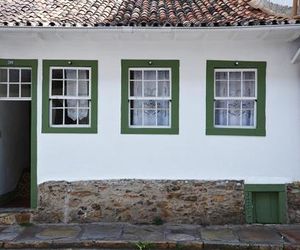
[{"x": 142, "y": 201}]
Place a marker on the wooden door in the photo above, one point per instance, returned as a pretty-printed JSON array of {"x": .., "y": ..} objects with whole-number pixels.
[{"x": 265, "y": 205}]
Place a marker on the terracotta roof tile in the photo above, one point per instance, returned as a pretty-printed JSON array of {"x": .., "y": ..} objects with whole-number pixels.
[{"x": 180, "y": 13}]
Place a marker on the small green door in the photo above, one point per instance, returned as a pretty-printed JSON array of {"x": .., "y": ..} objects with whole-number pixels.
[{"x": 265, "y": 205}]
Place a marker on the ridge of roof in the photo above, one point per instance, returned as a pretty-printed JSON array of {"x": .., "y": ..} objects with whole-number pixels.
[{"x": 135, "y": 13}]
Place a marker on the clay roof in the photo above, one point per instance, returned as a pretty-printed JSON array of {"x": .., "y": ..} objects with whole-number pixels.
[{"x": 154, "y": 13}]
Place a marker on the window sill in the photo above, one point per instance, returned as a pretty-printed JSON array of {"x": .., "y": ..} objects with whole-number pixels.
[
  {"x": 236, "y": 131},
  {"x": 150, "y": 131},
  {"x": 84, "y": 130}
]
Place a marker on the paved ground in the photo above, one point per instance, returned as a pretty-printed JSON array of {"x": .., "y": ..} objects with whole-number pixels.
[{"x": 126, "y": 236}]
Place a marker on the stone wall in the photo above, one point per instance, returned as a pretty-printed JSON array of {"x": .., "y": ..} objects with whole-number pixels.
[
  {"x": 142, "y": 201},
  {"x": 293, "y": 202}
]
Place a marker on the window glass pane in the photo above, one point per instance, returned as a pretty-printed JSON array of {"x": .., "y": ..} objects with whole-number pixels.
[
  {"x": 249, "y": 88},
  {"x": 149, "y": 117},
  {"x": 221, "y": 117},
  {"x": 163, "y": 118},
  {"x": 235, "y": 76},
  {"x": 221, "y": 104},
  {"x": 234, "y": 117},
  {"x": 248, "y": 117},
  {"x": 135, "y": 74},
  {"x": 234, "y": 113},
  {"x": 221, "y": 76},
  {"x": 163, "y": 104},
  {"x": 234, "y": 104},
  {"x": 70, "y": 88},
  {"x": 136, "y": 104},
  {"x": 149, "y": 104},
  {"x": 248, "y": 104},
  {"x": 57, "y": 103},
  {"x": 235, "y": 88},
  {"x": 3, "y": 75},
  {"x": 163, "y": 75},
  {"x": 250, "y": 75},
  {"x": 163, "y": 89},
  {"x": 136, "y": 88},
  {"x": 136, "y": 117},
  {"x": 149, "y": 75},
  {"x": 221, "y": 88},
  {"x": 83, "y": 88},
  {"x": 70, "y": 116},
  {"x": 57, "y": 74},
  {"x": 83, "y": 103},
  {"x": 57, "y": 116},
  {"x": 83, "y": 74},
  {"x": 150, "y": 88},
  {"x": 14, "y": 75},
  {"x": 84, "y": 116},
  {"x": 25, "y": 75},
  {"x": 14, "y": 90},
  {"x": 71, "y": 103},
  {"x": 57, "y": 87},
  {"x": 25, "y": 90},
  {"x": 3, "y": 90},
  {"x": 71, "y": 74}
]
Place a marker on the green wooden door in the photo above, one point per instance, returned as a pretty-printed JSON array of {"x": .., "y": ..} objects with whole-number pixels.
[{"x": 265, "y": 205}]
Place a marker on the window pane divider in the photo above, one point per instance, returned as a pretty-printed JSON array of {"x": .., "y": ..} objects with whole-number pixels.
[
  {"x": 70, "y": 97},
  {"x": 236, "y": 98},
  {"x": 149, "y": 98}
]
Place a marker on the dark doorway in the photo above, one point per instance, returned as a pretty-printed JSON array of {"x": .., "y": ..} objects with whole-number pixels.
[{"x": 15, "y": 119}]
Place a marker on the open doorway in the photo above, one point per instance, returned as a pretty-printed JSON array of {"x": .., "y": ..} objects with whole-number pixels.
[{"x": 16, "y": 121}]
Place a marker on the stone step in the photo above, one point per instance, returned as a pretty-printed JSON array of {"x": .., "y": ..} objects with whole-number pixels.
[{"x": 143, "y": 237}]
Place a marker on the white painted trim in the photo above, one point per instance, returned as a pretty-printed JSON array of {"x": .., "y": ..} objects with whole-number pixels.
[{"x": 296, "y": 57}]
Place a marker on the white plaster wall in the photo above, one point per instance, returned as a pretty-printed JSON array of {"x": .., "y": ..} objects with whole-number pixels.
[
  {"x": 191, "y": 154},
  {"x": 14, "y": 143}
]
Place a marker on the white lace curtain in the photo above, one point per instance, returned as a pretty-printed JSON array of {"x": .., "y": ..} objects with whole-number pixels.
[{"x": 71, "y": 86}]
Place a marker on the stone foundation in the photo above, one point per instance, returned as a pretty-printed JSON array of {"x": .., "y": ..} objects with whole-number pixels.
[
  {"x": 293, "y": 202},
  {"x": 142, "y": 201}
]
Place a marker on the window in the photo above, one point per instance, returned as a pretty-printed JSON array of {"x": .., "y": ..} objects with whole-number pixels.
[
  {"x": 235, "y": 98},
  {"x": 15, "y": 83},
  {"x": 150, "y": 96},
  {"x": 70, "y": 90}
]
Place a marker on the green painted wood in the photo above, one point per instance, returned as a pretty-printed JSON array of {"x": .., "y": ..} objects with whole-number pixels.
[
  {"x": 260, "y": 129},
  {"x": 248, "y": 207},
  {"x": 265, "y": 187},
  {"x": 282, "y": 202},
  {"x": 263, "y": 201},
  {"x": 265, "y": 205},
  {"x": 33, "y": 145},
  {"x": 174, "y": 65}
]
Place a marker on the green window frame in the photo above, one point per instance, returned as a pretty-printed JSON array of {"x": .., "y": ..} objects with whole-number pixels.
[
  {"x": 173, "y": 65},
  {"x": 251, "y": 189},
  {"x": 33, "y": 64},
  {"x": 93, "y": 81},
  {"x": 260, "y": 67}
]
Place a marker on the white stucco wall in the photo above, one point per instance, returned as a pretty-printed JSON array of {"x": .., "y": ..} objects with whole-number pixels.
[{"x": 274, "y": 158}]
